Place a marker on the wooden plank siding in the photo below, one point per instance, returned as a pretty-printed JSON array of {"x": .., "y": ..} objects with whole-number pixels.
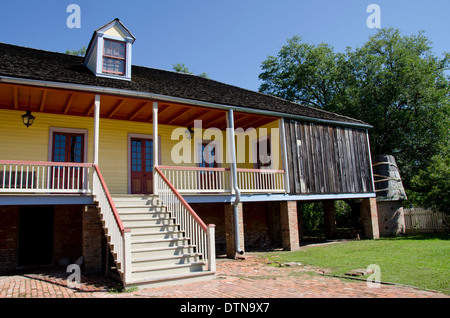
[{"x": 325, "y": 159}]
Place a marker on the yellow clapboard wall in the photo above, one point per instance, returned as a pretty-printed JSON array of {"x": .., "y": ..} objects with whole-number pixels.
[{"x": 18, "y": 142}]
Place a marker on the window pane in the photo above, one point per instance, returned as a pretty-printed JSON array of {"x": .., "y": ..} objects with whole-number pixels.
[
  {"x": 113, "y": 65},
  {"x": 114, "y": 48}
]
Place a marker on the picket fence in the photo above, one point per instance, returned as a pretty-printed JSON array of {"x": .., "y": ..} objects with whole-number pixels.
[{"x": 425, "y": 220}]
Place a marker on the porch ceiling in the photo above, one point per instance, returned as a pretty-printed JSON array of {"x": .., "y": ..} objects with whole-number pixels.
[{"x": 65, "y": 102}]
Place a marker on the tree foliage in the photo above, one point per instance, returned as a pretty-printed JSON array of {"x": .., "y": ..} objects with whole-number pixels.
[
  {"x": 80, "y": 52},
  {"x": 393, "y": 82},
  {"x": 182, "y": 68}
]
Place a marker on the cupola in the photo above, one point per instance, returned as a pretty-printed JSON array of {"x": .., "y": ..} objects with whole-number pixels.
[{"x": 109, "y": 52}]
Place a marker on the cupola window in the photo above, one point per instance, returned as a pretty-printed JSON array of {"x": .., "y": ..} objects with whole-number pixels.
[{"x": 114, "y": 53}]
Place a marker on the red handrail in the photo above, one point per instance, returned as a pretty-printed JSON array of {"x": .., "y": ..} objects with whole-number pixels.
[
  {"x": 183, "y": 201},
  {"x": 110, "y": 200}
]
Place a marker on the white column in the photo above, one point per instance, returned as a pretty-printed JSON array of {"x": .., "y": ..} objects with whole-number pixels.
[
  {"x": 284, "y": 155},
  {"x": 211, "y": 248},
  {"x": 155, "y": 146},
  {"x": 96, "y": 127},
  {"x": 230, "y": 157}
]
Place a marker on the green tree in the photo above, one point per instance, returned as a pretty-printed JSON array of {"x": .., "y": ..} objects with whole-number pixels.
[
  {"x": 393, "y": 82},
  {"x": 80, "y": 52},
  {"x": 182, "y": 68}
]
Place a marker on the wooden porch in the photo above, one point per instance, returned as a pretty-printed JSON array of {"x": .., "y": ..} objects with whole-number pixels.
[
  {"x": 98, "y": 117},
  {"x": 37, "y": 177}
]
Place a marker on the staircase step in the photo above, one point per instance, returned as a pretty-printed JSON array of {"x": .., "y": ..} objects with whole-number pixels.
[
  {"x": 141, "y": 208},
  {"x": 143, "y": 215},
  {"x": 167, "y": 270},
  {"x": 163, "y": 251},
  {"x": 135, "y": 200},
  {"x": 130, "y": 223},
  {"x": 148, "y": 262},
  {"x": 157, "y": 228},
  {"x": 172, "y": 280},
  {"x": 156, "y": 235},
  {"x": 145, "y": 244}
]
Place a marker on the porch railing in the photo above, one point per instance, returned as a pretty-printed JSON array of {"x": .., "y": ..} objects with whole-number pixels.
[
  {"x": 190, "y": 180},
  {"x": 194, "y": 180},
  {"x": 44, "y": 177},
  {"x": 201, "y": 236},
  {"x": 260, "y": 180}
]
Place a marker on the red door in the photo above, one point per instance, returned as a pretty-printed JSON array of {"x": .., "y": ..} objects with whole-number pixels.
[
  {"x": 67, "y": 147},
  {"x": 141, "y": 166}
]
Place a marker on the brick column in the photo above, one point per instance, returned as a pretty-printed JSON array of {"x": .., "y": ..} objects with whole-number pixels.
[
  {"x": 289, "y": 225},
  {"x": 229, "y": 229},
  {"x": 369, "y": 217},
  {"x": 92, "y": 239},
  {"x": 329, "y": 218}
]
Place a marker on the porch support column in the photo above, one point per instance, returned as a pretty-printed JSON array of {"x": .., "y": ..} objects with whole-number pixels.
[
  {"x": 329, "y": 218},
  {"x": 284, "y": 155},
  {"x": 92, "y": 239},
  {"x": 289, "y": 225},
  {"x": 369, "y": 217},
  {"x": 230, "y": 229},
  {"x": 155, "y": 146},
  {"x": 96, "y": 128}
]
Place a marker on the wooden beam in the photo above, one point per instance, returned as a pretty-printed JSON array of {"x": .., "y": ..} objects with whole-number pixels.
[
  {"x": 116, "y": 108},
  {"x": 68, "y": 104},
  {"x": 91, "y": 108},
  {"x": 141, "y": 107},
  {"x": 178, "y": 116},
  {"x": 166, "y": 107},
  {"x": 43, "y": 100},
  {"x": 16, "y": 97},
  {"x": 211, "y": 123}
]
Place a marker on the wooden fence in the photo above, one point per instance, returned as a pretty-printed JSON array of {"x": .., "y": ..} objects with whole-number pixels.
[{"x": 425, "y": 220}]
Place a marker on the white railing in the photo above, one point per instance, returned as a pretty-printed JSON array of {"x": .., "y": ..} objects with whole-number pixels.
[
  {"x": 119, "y": 238},
  {"x": 44, "y": 177},
  {"x": 195, "y": 180},
  {"x": 198, "y": 180},
  {"x": 260, "y": 180},
  {"x": 201, "y": 236}
]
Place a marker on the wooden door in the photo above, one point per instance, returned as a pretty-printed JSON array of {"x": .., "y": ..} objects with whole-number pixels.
[
  {"x": 141, "y": 166},
  {"x": 263, "y": 154},
  {"x": 206, "y": 179},
  {"x": 67, "y": 147}
]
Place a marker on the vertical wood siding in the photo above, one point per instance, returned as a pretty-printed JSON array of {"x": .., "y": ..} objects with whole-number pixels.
[{"x": 327, "y": 159}]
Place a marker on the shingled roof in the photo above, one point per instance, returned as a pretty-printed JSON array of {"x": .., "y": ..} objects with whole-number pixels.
[{"x": 23, "y": 62}]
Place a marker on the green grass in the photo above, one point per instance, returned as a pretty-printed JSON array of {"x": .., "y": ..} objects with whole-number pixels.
[{"x": 421, "y": 260}]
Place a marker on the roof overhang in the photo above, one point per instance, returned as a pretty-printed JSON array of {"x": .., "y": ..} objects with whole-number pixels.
[{"x": 164, "y": 98}]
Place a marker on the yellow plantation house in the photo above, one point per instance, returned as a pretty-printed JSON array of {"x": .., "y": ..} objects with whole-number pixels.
[{"x": 149, "y": 173}]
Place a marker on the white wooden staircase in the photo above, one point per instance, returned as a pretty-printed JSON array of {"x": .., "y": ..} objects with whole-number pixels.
[{"x": 161, "y": 253}]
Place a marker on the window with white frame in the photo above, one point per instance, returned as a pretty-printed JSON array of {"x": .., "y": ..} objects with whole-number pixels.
[{"x": 114, "y": 55}]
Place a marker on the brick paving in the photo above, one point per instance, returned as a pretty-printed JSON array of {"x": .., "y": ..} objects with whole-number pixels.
[{"x": 249, "y": 278}]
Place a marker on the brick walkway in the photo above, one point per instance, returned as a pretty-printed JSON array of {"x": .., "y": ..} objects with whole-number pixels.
[{"x": 249, "y": 278}]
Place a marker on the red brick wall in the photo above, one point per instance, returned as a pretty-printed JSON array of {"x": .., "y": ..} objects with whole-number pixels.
[
  {"x": 67, "y": 232},
  {"x": 9, "y": 225}
]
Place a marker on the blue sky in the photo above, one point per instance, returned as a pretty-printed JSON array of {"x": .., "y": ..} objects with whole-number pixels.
[{"x": 229, "y": 39}]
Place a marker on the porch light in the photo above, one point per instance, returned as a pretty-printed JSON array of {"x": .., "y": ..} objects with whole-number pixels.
[
  {"x": 28, "y": 119},
  {"x": 189, "y": 133}
]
